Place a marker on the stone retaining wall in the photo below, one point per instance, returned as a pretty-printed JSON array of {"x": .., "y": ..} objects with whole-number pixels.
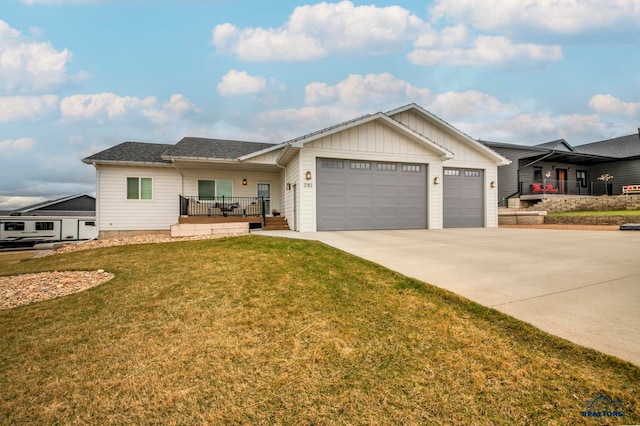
[
  {"x": 573, "y": 204},
  {"x": 591, "y": 220}
]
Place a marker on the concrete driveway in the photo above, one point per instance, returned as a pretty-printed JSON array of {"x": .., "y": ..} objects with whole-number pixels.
[{"x": 583, "y": 286}]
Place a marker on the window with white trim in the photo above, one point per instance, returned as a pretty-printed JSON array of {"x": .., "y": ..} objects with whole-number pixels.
[
  {"x": 210, "y": 189},
  {"x": 139, "y": 188},
  {"x": 450, "y": 172},
  {"x": 472, "y": 173}
]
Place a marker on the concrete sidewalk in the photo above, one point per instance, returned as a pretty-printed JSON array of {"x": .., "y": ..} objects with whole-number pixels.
[{"x": 583, "y": 286}]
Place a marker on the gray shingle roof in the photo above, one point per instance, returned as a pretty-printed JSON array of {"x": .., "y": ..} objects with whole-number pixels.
[
  {"x": 557, "y": 145},
  {"x": 214, "y": 148},
  {"x": 622, "y": 147},
  {"x": 138, "y": 152}
]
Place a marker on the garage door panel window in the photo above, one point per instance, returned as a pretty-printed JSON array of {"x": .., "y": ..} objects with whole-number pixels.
[
  {"x": 415, "y": 168},
  {"x": 387, "y": 167},
  {"x": 331, "y": 164},
  {"x": 359, "y": 165}
]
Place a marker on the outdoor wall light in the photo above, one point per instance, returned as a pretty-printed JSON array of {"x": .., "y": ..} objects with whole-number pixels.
[
  {"x": 288, "y": 187},
  {"x": 493, "y": 183},
  {"x": 244, "y": 181},
  {"x": 436, "y": 180},
  {"x": 554, "y": 167},
  {"x": 308, "y": 175}
]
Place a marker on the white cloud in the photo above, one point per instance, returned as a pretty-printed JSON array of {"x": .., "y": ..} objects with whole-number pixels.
[
  {"x": 280, "y": 125},
  {"x": 315, "y": 31},
  {"x": 21, "y": 144},
  {"x": 376, "y": 89},
  {"x": 102, "y": 104},
  {"x": 557, "y": 16},
  {"x": 236, "y": 83},
  {"x": 177, "y": 107},
  {"x": 471, "y": 104},
  {"x": 15, "y": 202},
  {"x": 14, "y": 108},
  {"x": 529, "y": 129},
  {"x": 483, "y": 50},
  {"x": 29, "y": 66},
  {"x": 610, "y": 105}
]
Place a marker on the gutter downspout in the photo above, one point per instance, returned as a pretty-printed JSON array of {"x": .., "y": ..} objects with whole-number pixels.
[{"x": 286, "y": 148}]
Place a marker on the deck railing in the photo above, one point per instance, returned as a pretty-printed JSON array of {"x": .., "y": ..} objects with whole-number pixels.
[
  {"x": 222, "y": 206},
  {"x": 562, "y": 187}
]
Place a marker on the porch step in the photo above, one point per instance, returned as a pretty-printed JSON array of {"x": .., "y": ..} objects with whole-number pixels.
[{"x": 276, "y": 223}]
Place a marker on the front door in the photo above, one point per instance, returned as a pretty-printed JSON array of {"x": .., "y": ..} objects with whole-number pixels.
[
  {"x": 264, "y": 190},
  {"x": 562, "y": 179}
]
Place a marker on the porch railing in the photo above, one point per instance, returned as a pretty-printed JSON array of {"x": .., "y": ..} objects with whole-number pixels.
[
  {"x": 565, "y": 187},
  {"x": 222, "y": 206}
]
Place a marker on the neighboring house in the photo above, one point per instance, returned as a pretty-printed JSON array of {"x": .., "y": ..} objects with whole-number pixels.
[
  {"x": 403, "y": 169},
  {"x": 72, "y": 205},
  {"x": 558, "y": 169}
]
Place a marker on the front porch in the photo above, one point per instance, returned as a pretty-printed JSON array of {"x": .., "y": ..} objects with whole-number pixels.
[
  {"x": 554, "y": 188},
  {"x": 227, "y": 210}
]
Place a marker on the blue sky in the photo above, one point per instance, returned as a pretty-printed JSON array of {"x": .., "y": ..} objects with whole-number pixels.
[{"x": 78, "y": 76}]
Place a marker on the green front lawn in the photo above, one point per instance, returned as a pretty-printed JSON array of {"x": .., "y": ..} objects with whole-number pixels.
[{"x": 276, "y": 331}]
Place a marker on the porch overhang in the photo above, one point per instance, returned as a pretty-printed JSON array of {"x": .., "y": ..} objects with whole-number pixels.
[
  {"x": 218, "y": 164},
  {"x": 570, "y": 158}
]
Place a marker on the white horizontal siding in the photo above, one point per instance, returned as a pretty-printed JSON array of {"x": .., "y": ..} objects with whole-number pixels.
[{"x": 116, "y": 213}]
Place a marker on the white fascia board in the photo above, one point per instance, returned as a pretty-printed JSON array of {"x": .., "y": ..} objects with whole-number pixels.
[
  {"x": 262, "y": 151},
  {"x": 500, "y": 160},
  {"x": 127, "y": 163}
]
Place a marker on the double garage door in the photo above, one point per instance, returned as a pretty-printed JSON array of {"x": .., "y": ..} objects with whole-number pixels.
[{"x": 355, "y": 195}]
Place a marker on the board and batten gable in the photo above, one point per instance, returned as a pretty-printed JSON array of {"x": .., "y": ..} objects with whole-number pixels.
[
  {"x": 371, "y": 141},
  {"x": 116, "y": 213},
  {"x": 468, "y": 154}
]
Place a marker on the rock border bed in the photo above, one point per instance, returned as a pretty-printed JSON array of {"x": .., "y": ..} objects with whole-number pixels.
[{"x": 20, "y": 290}]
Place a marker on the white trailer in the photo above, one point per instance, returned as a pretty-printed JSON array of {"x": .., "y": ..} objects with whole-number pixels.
[{"x": 34, "y": 229}]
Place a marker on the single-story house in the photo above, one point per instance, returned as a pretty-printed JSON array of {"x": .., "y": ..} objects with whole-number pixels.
[
  {"x": 403, "y": 169},
  {"x": 557, "y": 168}
]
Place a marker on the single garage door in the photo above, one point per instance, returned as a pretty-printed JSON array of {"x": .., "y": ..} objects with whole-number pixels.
[
  {"x": 463, "y": 198},
  {"x": 354, "y": 194}
]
